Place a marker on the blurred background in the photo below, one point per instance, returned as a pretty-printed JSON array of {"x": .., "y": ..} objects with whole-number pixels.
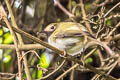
[{"x": 32, "y": 16}]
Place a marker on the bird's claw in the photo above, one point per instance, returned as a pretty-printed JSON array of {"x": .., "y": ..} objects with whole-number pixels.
[{"x": 64, "y": 54}]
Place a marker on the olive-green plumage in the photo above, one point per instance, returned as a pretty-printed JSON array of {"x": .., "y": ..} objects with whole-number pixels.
[{"x": 67, "y": 36}]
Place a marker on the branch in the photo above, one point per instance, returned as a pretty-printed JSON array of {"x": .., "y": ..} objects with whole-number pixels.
[
  {"x": 20, "y": 40},
  {"x": 4, "y": 16},
  {"x": 84, "y": 17},
  {"x": 112, "y": 9},
  {"x": 68, "y": 57},
  {"x": 22, "y": 47},
  {"x": 63, "y": 9}
]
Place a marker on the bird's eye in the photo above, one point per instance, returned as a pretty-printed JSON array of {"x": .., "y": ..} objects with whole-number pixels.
[{"x": 53, "y": 27}]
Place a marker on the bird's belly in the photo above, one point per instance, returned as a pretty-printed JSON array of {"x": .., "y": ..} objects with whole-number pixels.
[
  {"x": 73, "y": 46},
  {"x": 63, "y": 43}
]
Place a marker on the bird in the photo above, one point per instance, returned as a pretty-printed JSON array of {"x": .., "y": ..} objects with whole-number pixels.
[{"x": 68, "y": 36}]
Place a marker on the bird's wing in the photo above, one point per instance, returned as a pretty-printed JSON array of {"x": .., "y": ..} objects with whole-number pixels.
[{"x": 72, "y": 33}]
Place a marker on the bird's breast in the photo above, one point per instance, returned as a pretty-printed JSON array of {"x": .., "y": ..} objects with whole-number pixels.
[{"x": 63, "y": 43}]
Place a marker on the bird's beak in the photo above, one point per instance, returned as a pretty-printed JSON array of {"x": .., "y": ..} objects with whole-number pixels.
[{"x": 44, "y": 34}]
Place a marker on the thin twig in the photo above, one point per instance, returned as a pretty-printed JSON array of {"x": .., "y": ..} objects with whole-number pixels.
[
  {"x": 31, "y": 51},
  {"x": 70, "y": 58},
  {"x": 112, "y": 9},
  {"x": 84, "y": 17},
  {"x": 11, "y": 76},
  {"x": 4, "y": 16},
  {"x": 20, "y": 40},
  {"x": 61, "y": 76},
  {"x": 85, "y": 57},
  {"x": 22, "y": 47},
  {"x": 74, "y": 66},
  {"x": 110, "y": 33},
  {"x": 53, "y": 71},
  {"x": 63, "y": 9}
]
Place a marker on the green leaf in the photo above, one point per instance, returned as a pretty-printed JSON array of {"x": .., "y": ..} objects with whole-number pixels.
[
  {"x": 34, "y": 74},
  {"x": 58, "y": 19},
  {"x": 73, "y": 3},
  {"x": 88, "y": 5},
  {"x": 44, "y": 62},
  {"x": 7, "y": 59},
  {"x": 39, "y": 74},
  {"x": 7, "y": 52},
  {"x": 1, "y": 32},
  {"x": 89, "y": 60},
  {"x": 7, "y": 38},
  {"x": 1, "y": 40},
  {"x": 109, "y": 22}
]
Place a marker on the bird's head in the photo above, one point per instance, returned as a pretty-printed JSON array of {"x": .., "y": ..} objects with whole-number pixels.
[{"x": 51, "y": 28}]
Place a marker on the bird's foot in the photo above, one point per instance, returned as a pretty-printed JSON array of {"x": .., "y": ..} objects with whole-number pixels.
[{"x": 63, "y": 54}]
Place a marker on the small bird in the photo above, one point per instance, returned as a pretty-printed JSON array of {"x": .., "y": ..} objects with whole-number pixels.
[{"x": 67, "y": 36}]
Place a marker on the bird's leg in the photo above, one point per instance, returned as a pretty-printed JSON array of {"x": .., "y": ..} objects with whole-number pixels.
[{"x": 63, "y": 54}]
